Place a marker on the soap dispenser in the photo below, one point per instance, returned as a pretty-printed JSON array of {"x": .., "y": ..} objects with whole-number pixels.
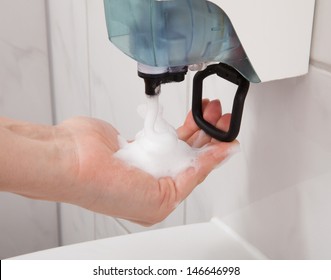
[{"x": 249, "y": 40}]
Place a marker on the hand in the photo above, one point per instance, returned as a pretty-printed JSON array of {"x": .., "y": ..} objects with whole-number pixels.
[{"x": 104, "y": 184}]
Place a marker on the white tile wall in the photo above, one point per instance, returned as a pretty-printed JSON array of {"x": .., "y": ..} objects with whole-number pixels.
[
  {"x": 24, "y": 76},
  {"x": 69, "y": 58},
  {"x": 25, "y": 225},
  {"x": 291, "y": 224}
]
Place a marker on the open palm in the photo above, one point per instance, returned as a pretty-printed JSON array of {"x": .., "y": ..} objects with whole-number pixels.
[{"x": 107, "y": 185}]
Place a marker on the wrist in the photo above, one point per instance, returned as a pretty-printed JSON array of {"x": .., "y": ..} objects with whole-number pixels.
[{"x": 38, "y": 161}]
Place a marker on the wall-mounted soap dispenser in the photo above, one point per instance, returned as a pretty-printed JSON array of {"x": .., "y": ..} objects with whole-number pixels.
[{"x": 251, "y": 40}]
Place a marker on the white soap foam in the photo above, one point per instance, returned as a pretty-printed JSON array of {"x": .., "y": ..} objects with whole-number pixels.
[{"x": 157, "y": 149}]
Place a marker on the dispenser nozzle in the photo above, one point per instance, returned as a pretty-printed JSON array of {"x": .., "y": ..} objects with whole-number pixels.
[{"x": 155, "y": 76}]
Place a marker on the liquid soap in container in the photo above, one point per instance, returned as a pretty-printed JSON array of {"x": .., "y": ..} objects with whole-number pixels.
[{"x": 178, "y": 33}]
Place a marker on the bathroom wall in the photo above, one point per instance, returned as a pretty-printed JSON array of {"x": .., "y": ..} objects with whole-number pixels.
[
  {"x": 25, "y": 225},
  {"x": 274, "y": 192}
]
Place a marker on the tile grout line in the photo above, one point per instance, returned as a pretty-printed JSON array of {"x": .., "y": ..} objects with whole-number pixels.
[{"x": 53, "y": 103}]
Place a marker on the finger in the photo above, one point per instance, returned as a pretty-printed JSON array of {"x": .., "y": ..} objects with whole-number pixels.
[
  {"x": 223, "y": 124},
  {"x": 190, "y": 127},
  {"x": 212, "y": 114},
  {"x": 200, "y": 138},
  {"x": 207, "y": 161},
  {"x": 213, "y": 111}
]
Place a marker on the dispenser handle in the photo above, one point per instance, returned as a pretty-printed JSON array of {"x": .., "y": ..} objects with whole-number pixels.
[{"x": 232, "y": 75}]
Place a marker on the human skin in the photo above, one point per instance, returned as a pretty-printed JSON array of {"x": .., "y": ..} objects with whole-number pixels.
[{"x": 74, "y": 162}]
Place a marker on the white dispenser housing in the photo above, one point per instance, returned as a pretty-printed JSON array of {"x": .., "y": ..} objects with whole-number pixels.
[{"x": 276, "y": 34}]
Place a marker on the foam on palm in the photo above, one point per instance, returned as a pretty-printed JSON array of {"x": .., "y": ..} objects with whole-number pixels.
[{"x": 156, "y": 148}]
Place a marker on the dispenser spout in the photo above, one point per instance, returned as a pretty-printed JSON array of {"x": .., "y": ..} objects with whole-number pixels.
[{"x": 154, "y": 77}]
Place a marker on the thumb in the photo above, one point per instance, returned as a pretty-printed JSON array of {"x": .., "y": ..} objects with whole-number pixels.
[{"x": 210, "y": 158}]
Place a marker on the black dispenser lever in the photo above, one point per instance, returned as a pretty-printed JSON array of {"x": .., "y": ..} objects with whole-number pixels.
[{"x": 230, "y": 74}]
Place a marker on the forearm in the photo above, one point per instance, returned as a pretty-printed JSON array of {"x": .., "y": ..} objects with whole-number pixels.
[{"x": 34, "y": 161}]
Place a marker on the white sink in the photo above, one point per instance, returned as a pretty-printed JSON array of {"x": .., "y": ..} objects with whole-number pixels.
[{"x": 212, "y": 240}]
